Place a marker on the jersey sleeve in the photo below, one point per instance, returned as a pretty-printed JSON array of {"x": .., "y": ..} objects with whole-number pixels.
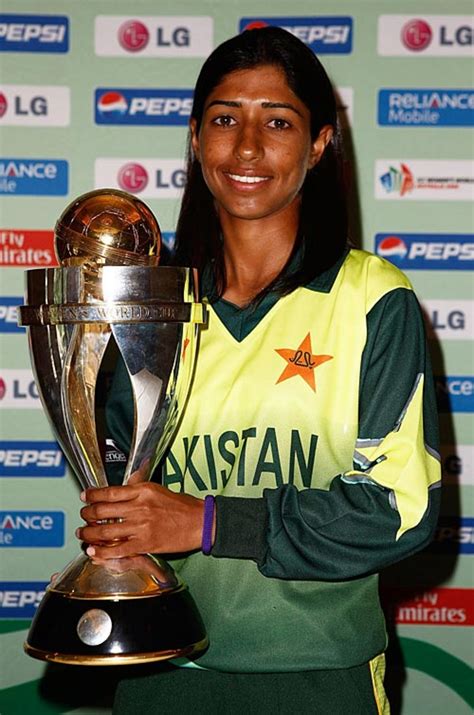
[
  {"x": 383, "y": 509},
  {"x": 119, "y": 419}
]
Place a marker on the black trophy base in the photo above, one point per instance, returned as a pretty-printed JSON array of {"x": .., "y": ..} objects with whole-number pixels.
[{"x": 83, "y": 631}]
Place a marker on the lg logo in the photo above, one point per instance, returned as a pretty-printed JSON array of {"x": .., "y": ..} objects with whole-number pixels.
[
  {"x": 133, "y": 36},
  {"x": 133, "y": 177},
  {"x": 36, "y": 106},
  {"x": 416, "y": 35}
]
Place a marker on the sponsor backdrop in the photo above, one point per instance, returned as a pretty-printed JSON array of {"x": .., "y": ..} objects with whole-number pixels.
[{"x": 98, "y": 94}]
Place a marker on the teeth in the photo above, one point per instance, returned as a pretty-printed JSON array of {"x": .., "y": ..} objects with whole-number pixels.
[{"x": 248, "y": 179}]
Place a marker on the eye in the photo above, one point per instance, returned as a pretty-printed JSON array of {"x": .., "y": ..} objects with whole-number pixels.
[
  {"x": 279, "y": 123},
  {"x": 224, "y": 120}
]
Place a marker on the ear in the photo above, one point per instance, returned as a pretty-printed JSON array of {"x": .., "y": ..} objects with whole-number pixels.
[
  {"x": 320, "y": 144},
  {"x": 194, "y": 138}
]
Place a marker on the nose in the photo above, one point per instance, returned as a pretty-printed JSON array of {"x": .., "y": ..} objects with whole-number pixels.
[{"x": 248, "y": 144}]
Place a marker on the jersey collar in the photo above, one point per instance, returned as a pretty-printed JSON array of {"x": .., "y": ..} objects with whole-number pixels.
[{"x": 240, "y": 321}]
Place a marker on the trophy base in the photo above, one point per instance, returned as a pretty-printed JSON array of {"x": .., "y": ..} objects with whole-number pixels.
[
  {"x": 120, "y": 631},
  {"x": 124, "y": 611}
]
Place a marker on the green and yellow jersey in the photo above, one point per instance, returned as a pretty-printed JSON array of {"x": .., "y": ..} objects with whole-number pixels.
[{"x": 312, "y": 420}]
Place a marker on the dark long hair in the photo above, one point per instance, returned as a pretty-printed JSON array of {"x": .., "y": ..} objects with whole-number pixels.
[{"x": 322, "y": 233}]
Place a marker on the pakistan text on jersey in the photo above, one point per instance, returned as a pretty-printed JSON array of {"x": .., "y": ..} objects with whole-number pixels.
[{"x": 244, "y": 458}]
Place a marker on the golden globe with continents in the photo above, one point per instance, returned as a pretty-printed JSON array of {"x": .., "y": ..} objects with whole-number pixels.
[{"x": 110, "y": 299}]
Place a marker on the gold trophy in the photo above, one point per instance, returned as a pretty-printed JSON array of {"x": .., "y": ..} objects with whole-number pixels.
[{"x": 110, "y": 288}]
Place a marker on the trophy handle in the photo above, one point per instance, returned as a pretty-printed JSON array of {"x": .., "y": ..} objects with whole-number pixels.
[{"x": 82, "y": 364}]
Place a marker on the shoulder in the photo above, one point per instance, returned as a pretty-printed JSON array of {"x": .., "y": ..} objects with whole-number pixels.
[{"x": 374, "y": 275}]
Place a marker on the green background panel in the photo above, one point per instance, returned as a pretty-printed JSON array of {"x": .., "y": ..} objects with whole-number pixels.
[{"x": 28, "y": 686}]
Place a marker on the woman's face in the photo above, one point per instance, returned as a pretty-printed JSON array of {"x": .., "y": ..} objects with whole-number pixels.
[{"x": 254, "y": 144}]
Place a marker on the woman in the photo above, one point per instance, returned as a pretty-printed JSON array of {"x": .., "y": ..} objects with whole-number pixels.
[{"x": 311, "y": 417}]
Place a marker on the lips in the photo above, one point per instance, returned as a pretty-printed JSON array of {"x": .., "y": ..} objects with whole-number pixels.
[
  {"x": 245, "y": 181},
  {"x": 248, "y": 179}
]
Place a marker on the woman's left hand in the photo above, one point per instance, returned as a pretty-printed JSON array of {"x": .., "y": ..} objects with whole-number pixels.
[{"x": 148, "y": 519}]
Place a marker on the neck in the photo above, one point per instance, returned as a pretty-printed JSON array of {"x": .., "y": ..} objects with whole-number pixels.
[{"x": 255, "y": 252}]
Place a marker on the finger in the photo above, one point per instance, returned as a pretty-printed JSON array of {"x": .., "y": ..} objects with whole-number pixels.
[
  {"x": 104, "y": 532},
  {"x": 103, "y": 552},
  {"x": 104, "y": 511},
  {"x": 108, "y": 494},
  {"x": 142, "y": 474}
]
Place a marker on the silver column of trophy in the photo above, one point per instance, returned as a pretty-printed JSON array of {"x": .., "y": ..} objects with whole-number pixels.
[{"x": 109, "y": 287}]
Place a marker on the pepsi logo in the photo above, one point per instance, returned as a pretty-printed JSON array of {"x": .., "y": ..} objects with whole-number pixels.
[
  {"x": 3, "y": 104},
  {"x": 133, "y": 36},
  {"x": 416, "y": 35},
  {"x": 112, "y": 103},
  {"x": 392, "y": 246},
  {"x": 132, "y": 177},
  {"x": 3, "y": 388}
]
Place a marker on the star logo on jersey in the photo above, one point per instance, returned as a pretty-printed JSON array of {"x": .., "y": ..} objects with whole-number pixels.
[{"x": 301, "y": 361}]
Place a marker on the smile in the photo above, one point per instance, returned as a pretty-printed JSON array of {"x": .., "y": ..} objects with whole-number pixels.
[{"x": 248, "y": 179}]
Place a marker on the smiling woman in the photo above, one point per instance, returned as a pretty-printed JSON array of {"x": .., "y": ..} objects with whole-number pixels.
[
  {"x": 255, "y": 149},
  {"x": 264, "y": 107},
  {"x": 306, "y": 458}
]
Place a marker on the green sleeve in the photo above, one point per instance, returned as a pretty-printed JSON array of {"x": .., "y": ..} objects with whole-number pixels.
[{"x": 386, "y": 507}]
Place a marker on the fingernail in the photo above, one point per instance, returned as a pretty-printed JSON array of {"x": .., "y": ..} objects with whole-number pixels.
[
  {"x": 83, "y": 496},
  {"x": 78, "y": 533},
  {"x": 90, "y": 551}
]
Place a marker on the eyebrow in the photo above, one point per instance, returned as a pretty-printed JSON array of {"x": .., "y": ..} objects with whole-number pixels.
[{"x": 265, "y": 105}]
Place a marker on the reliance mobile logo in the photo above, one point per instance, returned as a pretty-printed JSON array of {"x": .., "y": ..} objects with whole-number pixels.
[
  {"x": 399, "y": 181},
  {"x": 34, "y": 33},
  {"x": 167, "y": 107},
  {"x": 9, "y": 314},
  {"x": 27, "y": 249},
  {"x": 151, "y": 178},
  {"x": 18, "y": 389},
  {"x": 153, "y": 36},
  {"x": 424, "y": 180},
  {"x": 31, "y": 529},
  {"x": 428, "y": 36},
  {"x": 31, "y": 459},
  {"x": 453, "y": 535},
  {"x": 419, "y": 251},
  {"x": 426, "y": 107},
  {"x": 20, "y": 599},
  {"x": 34, "y": 105},
  {"x": 33, "y": 177},
  {"x": 323, "y": 35},
  {"x": 455, "y": 393}
]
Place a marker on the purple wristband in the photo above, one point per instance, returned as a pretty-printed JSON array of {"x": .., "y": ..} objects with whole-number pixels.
[{"x": 209, "y": 506}]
